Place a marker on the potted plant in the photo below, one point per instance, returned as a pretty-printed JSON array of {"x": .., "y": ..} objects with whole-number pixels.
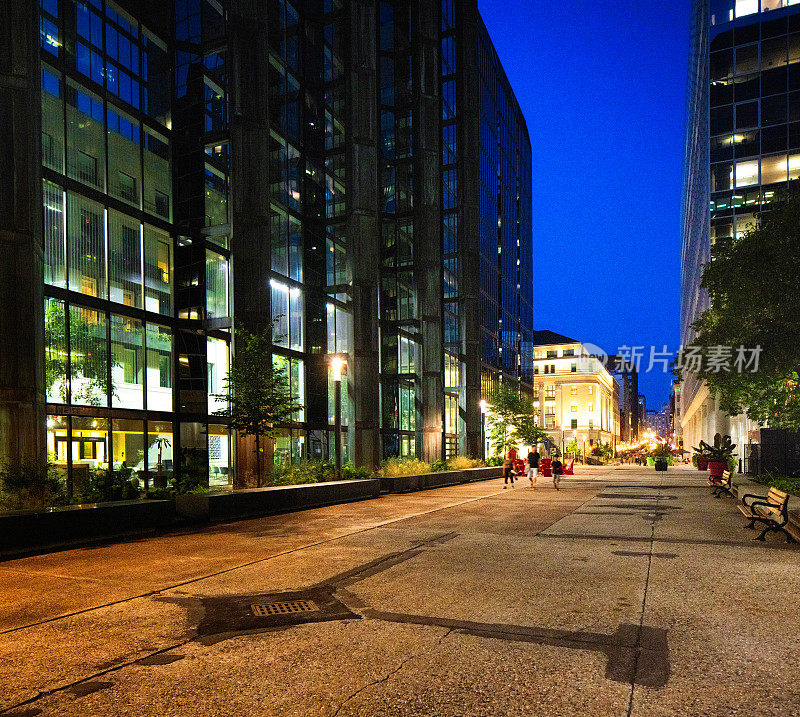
[
  {"x": 161, "y": 442},
  {"x": 718, "y": 455},
  {"x": 661, "y": 455},
  {"x": 700, "y": 457}
]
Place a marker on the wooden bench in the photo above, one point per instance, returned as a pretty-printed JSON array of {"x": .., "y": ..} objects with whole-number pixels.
[
  {"x": 772, "y": 511},
  {"x": 722, "y": 486}
]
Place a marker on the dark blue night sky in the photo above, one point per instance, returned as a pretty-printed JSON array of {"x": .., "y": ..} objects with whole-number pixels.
[{"x": 602, "y": 85}]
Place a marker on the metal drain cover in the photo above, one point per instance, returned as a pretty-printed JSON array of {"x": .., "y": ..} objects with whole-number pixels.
[
  {"x": 283, "y": 608},
  {"x": 261, "y": 611}
]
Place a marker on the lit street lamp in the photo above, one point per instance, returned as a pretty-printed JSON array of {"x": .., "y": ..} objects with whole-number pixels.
[
  {"x": 337, "y": 365},
  {"x": 483, "y": 430}
]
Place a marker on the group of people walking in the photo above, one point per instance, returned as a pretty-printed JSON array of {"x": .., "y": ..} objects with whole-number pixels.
[{"x": 531, "y": 468}]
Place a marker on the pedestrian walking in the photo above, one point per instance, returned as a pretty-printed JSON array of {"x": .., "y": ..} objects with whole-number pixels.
[
  {"x": 558, "y": 469},
  {"x": 533, "y": 466},
  {"x": 508, "y": 470}
]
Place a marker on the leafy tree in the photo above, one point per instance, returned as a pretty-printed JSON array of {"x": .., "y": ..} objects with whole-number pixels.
[
  {"x": 90, "y": 364},
  {"x": 572, "y": 447},
  {"x": 526, "y": 431},
  {"x": 602, "y": 450},
  {"x": 512, "y": 419},
  {"x": 753, "y": 284},
  {"x": 257, "y": 392},
  {"x": 506, "y": 404}
]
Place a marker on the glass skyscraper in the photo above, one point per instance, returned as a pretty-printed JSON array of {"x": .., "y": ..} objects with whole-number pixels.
[
  {"x": 355, "y": 173},
  {"x": 742, "y": 147}
]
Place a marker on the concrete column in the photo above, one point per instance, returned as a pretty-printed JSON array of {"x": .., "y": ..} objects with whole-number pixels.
[
  {"x": 469, "y": 217},
  {"x": 22, "y": 414},
  {"x": 363, "y": 230},
  {"x": 427, "y": 223},
  {"x": 249, "y": 129}
]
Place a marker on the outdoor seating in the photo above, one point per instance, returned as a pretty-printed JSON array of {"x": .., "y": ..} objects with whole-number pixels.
[
  {"x": 569, "y": 468},
  {"x": 721, "y": 486},
  {"x": 772, "y": 511}
]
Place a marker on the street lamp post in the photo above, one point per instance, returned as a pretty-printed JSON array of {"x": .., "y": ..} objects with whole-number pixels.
[
  {"x": 337, "y": 362},
  {"x": 483, "y": 430}
]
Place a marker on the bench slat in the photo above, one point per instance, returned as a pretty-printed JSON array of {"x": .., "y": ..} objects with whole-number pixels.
[{"x": 778, "y": 497}]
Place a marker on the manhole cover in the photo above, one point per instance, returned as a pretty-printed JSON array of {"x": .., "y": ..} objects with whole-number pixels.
[
  {"x": 283, "y": 608},
  {"x": 261, "y": 611}
]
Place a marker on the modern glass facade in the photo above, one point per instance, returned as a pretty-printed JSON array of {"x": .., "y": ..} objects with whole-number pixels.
[
  {"x": 108, "y": 240},
  {"x": 178, "y": 199},
  {"x": 506, "y": 257},
  {"x": 742, "y": 147}
]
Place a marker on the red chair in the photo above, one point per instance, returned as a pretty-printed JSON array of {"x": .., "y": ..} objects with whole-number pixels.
[
  {"x": 519, "y": 464},
  {"x": 546, "y": 467},
  {"x": 569, "y": 468}
]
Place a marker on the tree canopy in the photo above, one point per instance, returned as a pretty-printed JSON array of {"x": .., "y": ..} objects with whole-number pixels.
[
  {"x": 258, "y": 395},
  {"x": 512, "y": 419},
  {"x": 753, "y": 283}
]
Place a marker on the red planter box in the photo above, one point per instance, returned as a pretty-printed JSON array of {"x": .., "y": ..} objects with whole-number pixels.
[
  {"x": 702, "y": 463},
  {"x": 716, "y": 468}
]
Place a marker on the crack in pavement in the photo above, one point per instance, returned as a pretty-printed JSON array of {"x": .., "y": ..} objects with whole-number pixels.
[
  {"x": 641, "y": 638},
  {"x": 390, "y": 674},
  {"x": 77, "y": 685}
]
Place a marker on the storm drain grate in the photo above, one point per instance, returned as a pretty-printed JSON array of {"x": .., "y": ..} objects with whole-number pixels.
[{"x": 283, "y": 608}]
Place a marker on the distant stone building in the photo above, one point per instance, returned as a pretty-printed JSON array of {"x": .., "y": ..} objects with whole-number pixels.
[{"x": 576, "y": 397}]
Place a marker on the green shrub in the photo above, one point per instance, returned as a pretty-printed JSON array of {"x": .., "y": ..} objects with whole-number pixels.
[
  {"x": 160, "y": 494},
  {"x": 495, "y": 461},
  {"x": 460, "y": 463},
  {"x": 107, "y": 485},
  {"x": 439, "y": 465},
  {"x": 395, "y": 467},
  {"x": 30, "y": 484},
  {"x": 784, "y": 483},
  {"x": 191, "y": 483},
  {"x": 351, "y": 472},
  {"x": 307, "y": 472},
  {"x": 694, "y": 459},
  {"x": 302, "y": 473}
]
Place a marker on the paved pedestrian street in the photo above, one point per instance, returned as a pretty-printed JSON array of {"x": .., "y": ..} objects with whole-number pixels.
[{"x": 626, "y": 592}]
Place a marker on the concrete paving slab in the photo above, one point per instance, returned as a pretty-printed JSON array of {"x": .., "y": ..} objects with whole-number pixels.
[{"x": 625, "y": 589}]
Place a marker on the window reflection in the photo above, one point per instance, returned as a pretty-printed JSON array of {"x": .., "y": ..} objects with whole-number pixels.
[
  {"x": 218, "y": 365},
  {"x": 159, "y": 368},
  {"x": 127, "y": 362}
]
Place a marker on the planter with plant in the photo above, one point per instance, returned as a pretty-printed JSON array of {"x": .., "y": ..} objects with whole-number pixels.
[
  {"x": 662, "y": 456},
  {"x": 718, "y": 455},
  {"x": 31, "y": 485},
  {"x": 701, "y": 456}
]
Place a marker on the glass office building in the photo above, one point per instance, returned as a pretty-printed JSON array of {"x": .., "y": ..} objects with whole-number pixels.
[
  {"x": 203, "y": 164},
  {"x": 742, "y": 147}
]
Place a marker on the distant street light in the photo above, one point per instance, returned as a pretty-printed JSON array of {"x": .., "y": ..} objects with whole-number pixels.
[
  {"x": 483, "y": 430},
  {"x": 337, "y": 365}
]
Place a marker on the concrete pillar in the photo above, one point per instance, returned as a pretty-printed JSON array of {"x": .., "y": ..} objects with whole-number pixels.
[
  {"x": 22, "y": 414},
  {"x": 249, "y": 129},
  {"x": 469, "y": 219},
  {"x": 427, "y": 223},
  {"x": 363, "y": 230}
]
